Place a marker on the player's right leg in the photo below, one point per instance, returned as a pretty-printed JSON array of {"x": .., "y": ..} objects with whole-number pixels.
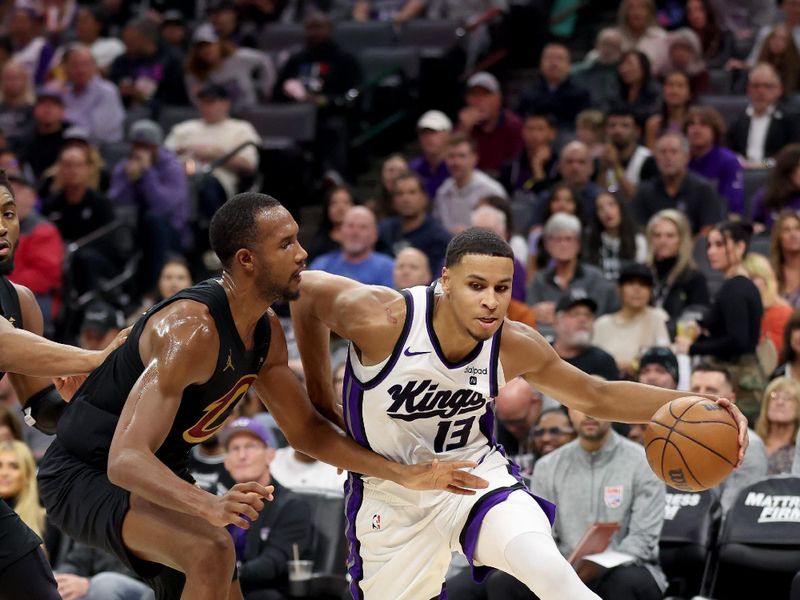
[
  {"x": 516, "y": 537},
  {"x": 202, "y": 552}
]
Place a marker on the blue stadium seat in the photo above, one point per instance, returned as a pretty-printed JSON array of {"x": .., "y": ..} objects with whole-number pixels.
[
  {"x": 433, "y": 37},
  {"x": 277, "y": 37},
  {"x": 730, "y": 107},
  {"x": 376, "y": 61},
  {"x": 282, "y": 125}
]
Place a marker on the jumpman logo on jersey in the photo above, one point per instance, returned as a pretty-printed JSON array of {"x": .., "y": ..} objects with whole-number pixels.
[{"x": 229, "y": 364}]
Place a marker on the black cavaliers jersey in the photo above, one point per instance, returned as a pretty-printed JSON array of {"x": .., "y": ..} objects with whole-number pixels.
[
  {"x": 87, "y": 426},
  {"x": 9, "y": 305}
]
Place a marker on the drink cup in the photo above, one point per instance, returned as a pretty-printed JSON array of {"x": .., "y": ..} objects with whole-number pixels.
[{"x": 300, "y": 572}]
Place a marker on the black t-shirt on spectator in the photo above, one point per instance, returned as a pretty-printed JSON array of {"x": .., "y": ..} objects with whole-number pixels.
[
  {"x": 696, "y": 198},
  {"x": 77, "y": 220},
  {"x": 564, "y": 101},
  {"x": 163, "y": 67},
  {"x": 596, "y": 361},
  {"x": 38, "y": 150},
  {"x": 431, "y": 238}
]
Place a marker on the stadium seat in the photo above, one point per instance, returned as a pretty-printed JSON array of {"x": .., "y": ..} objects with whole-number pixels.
[
  {"x": 719, "y": 81},
  {"x": 753, "y": 180},
  {"x": 328, "y": 543},
  {"x": 355, "y": 37},
  {"x": 278, "y": 37},
  {"x": 282, "y": 125},
  {"x": 691, "y": 523},
  {"x": 169, "y": 116},
  {"x": 730, "y": 107},
  {"x": 759, "y": 548},
  {"x": 377, "y": 61},
  {"x": 432, "y": 37}
]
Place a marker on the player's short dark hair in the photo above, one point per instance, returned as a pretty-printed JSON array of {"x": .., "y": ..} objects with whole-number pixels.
[
  {"x": 707, "y": 367},
  {"x": 234, "y": 225},
  {"x": 476, "y": 241},
  {"x": 4, "y": 182}
]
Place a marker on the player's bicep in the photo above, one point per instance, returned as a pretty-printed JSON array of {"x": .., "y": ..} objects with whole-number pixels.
[{"x": 26, "y": 386}]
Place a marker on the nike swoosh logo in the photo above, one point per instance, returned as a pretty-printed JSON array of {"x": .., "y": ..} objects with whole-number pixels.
[{"x": 408, "y": 352}]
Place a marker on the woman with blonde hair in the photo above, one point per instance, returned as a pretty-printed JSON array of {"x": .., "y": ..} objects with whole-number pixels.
[
  {"x": 677, "y": 283},
  {"x": 784, "y": 254},
  {"x": 778, "y": 423},
  {"x": 18, "y": 484},
  {"x": 776, "y": 310}
]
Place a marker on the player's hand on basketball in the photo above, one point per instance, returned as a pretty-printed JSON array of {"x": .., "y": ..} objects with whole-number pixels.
[
  {"x": 741, "y": 421},
  {"x": 240, "y": 506},
  {"x": 442, "y": 475},
  {"x": 67, "y": 386}
]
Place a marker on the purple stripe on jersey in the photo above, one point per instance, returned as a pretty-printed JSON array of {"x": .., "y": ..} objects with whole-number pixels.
[
  {"x": 494, "y": 361},
  {"x": 469, "y": 535},
  {"x": 473, "y": 354},
  {"x": 486, "y": 423},
  {"x": 352, "y": 407},
  {"x": 398, "y": 346},
  {"x": 354, "y": 496},
  {"x": 443, "y": 593}
]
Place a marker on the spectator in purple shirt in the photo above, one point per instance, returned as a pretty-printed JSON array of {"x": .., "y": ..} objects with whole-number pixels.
[
  {"x": 496, "y": 131},
  {"x": 493, "y": 219},
  {"x": 705, "y": 131},
  {"x": 433, "y": 129},
  {"x": 91, "y": 102},
  {"x": 153, "y": 180}
]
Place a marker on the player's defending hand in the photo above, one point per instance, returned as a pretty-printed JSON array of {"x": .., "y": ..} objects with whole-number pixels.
[
  {"x": 240, "y": 506},
  {"x": 447, "y": 476}
]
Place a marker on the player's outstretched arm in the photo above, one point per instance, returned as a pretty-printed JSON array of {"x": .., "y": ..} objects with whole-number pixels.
[
  {"x": 26, "y": 352},
  {"x": 366, "y": 315},
  {"x": 29, "y": 359},
  {"x": 179, "y": 348},
  {"x": 525, "y": 352},
  {"x": 310, "y": 433}
]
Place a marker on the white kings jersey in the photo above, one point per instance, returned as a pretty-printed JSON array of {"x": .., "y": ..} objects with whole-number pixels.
[{"x": 416, "y": 405}]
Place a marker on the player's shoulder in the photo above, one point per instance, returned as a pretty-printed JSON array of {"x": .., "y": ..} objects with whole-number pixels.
[
  {"x": 186, "y": 318},
  {"x": 521, "y": 342}
]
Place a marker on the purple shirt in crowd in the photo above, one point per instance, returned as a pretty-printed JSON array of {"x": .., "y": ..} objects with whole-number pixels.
[
  {"x": 722, "y": 168},
  {"x": 768, "y": 216},
  {"x": 98, "y": 109},
  {"x": 431, "y": 179},
  {"x": 162, "y": 189}
]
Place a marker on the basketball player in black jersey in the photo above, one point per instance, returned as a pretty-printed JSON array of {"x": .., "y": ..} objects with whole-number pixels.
[
  {"x": 28, "y": 359},
  {"x": 116, "y": 476}
]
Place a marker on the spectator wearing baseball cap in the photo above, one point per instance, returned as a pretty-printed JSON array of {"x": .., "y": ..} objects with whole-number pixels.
[
  {"x": 636, "y": 324},
  {"x": 497, "y": 131},
  {"x": 433, "y": 129},
  {"x": 153, "y": 180},
  {"x": 657, "y": 366},
  {"x": 101, "y": 324},
  {"x": 263, "y": 550}
]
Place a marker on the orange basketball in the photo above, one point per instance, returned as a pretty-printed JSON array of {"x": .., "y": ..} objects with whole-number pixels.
[{"x": 692, "y": 443}]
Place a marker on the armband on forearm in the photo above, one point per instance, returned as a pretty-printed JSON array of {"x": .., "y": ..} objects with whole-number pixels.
[{"x": 44, "y": 409}]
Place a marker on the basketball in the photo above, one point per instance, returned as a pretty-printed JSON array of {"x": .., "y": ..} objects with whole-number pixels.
[{"x": 692, "y": 443}]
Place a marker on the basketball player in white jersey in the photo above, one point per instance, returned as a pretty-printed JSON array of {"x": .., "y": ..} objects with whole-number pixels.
[{"x": 422, "y": 369}]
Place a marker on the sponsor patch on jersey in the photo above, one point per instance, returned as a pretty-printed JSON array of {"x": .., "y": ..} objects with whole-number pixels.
[{"x": 613, "y": 496}]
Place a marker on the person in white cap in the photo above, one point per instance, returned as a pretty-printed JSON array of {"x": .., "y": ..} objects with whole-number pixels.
[
  {"x": 433, "y": 129},
  {"x": 496, "y": 131}
]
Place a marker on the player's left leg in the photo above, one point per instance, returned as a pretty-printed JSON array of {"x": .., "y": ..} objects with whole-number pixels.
[{"x": 515, "y": 537}]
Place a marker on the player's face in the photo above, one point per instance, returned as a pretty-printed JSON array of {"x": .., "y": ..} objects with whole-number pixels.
[
  {"x": 247, "y": 458},
  {"x": 711, "y": 382},
  {"x": 9, "y": 231},
  {"x": 279, "y": 257},
  {"x": 588, "y": 428},
  {"x": 479, "y": 289},
  {"x": 12, "y": 479}
]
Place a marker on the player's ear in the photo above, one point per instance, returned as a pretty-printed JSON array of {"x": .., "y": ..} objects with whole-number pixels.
[
  {"x": 244, "y": 258},
  {"x": 445, "y": 280}
]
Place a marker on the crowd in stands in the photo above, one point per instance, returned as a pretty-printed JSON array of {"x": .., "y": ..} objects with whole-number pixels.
[{"x": 649, "y": 188}]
